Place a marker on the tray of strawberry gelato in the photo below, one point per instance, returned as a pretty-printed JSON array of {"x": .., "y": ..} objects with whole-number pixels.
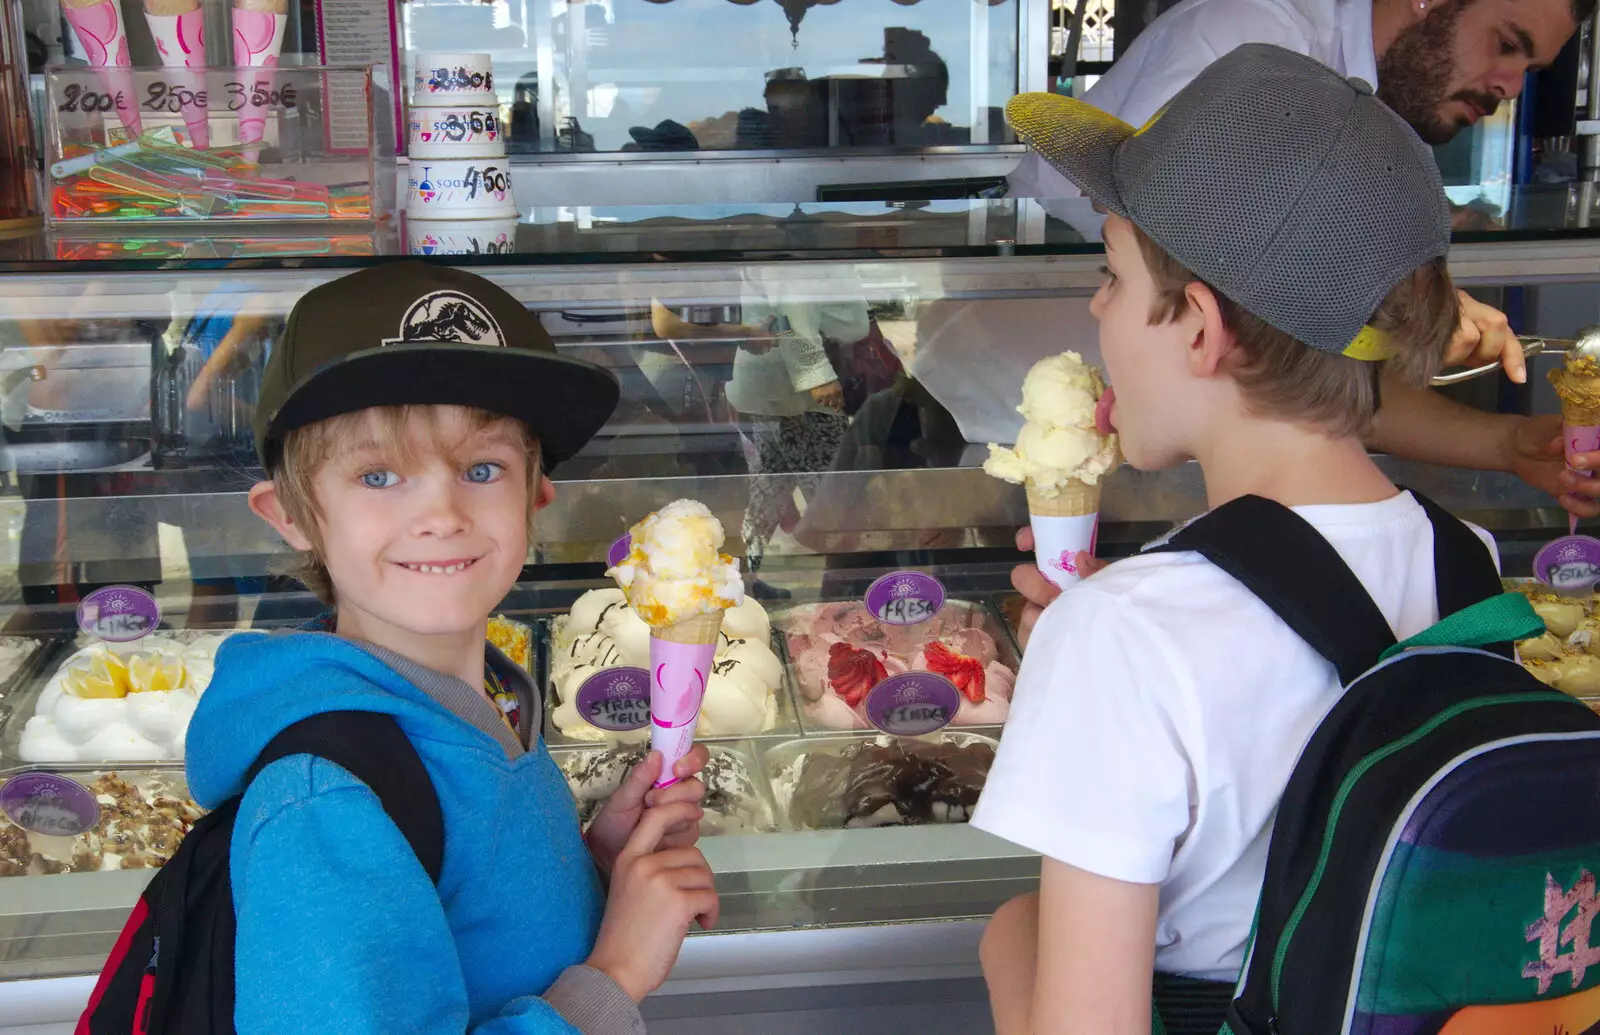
[{"x": 838, "y": 652}]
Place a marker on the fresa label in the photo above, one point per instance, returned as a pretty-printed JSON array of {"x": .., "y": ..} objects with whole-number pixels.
[{"x": 905, "y": 598}]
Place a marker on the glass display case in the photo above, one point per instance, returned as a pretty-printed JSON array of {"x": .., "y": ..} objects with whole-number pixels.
[{"x": 824, "y": 378}]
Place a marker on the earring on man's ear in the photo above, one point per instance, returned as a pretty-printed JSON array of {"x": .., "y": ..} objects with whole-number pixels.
[{"x": 1422, "y": 5}]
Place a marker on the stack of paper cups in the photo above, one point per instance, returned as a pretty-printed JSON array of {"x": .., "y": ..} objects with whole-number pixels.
[
  {"x": 1064, "y": 522},
  {"x": 458, "y": 187}
]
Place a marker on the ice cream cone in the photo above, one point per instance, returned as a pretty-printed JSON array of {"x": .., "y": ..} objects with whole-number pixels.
[
  {"x": 1579, "y": 415},
  {"x": 98, "y": 26},
  {"x": 1577, "y": 384},
  {"x": 178, "y": 27},
  {"x": 257, "y": 39},
  {"x": 682, "y": 656},
  {"x": 1065, "y": 523},
  {"x": 1073, "y": 499},
  {"x": 695, "y": 630}
]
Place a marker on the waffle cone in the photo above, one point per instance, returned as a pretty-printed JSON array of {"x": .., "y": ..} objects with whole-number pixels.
[
  {"x": 1074, "y": 499},
  {"x": 1580, "y": 416},
  {"x": 696, "y": 630}
]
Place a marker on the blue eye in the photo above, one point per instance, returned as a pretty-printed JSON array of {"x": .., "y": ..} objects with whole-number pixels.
[
  {"x": 380, "y": 479},
  {"x": 483, "y": 474}
]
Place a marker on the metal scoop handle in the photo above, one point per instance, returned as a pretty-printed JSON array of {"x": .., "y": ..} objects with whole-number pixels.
[{"x": 1531, "y": 347}]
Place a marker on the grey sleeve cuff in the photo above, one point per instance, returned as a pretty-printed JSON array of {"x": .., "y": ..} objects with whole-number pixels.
[{"x": 594, "y": 1004}]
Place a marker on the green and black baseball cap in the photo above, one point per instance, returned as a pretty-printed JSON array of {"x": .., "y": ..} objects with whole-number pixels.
[
  {"x": 1290, "y": 189},
  {"x": 411, "y": 333}
]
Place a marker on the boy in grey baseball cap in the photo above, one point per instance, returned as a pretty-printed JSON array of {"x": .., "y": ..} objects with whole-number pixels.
[{"x": 1276, "y": 240}]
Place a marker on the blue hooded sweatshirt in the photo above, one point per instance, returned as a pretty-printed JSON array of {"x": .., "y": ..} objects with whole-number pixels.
[{"x": 339, "y": 927}]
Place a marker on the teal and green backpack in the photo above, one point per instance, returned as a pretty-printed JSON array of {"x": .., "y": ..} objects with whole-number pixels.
[{"x": 1433, "y": 863}]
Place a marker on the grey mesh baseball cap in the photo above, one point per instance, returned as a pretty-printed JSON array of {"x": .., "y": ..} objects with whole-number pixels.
[{"x": 1291, "y": 190}]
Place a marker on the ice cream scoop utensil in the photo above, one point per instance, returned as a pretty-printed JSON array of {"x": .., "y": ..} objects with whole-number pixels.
[{"x": 1587, "y": 344}]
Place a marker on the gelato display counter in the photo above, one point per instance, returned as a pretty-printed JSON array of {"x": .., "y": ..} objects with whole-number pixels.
[{"x": 825, "y": 381}]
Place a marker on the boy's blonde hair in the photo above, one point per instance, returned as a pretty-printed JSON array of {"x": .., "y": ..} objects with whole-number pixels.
[
  {"x": 307, "y": 449},
  {"x": 1285, "y": 379}
]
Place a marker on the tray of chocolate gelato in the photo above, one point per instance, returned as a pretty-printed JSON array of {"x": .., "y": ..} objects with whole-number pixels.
[
  {"x": 737, "y": 801},
  {"x": 838, "y": 652},
  {"x": 144, "y": 814},
  {"x": 1567, "y": 655},
  {"x": 847, "y": 782},
  {"x": 744, "y": 696}
]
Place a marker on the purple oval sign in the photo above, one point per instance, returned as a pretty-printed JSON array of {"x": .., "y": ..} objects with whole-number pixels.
[
  {"x": 119, "y": 614},
  {"x": 905, "y": 598},
  {"x": 49, "y": 804},
  {"x": 1570, "y": 564},
  {"x": 619, "y": 551},
  {"x": 616, "y": 700},
  {"x": 913, "y": 704}
]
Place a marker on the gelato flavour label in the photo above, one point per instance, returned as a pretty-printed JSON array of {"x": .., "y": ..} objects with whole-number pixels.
[
  {"x": 1570, "y": 564},
  {"x": 49, "y": 804},
  {"x": 913, "y": 704},
  {"x": 905, "y": 598},
  {"x": 619, "y": 551},
  {"x": 119, "y": 614},
  {"x": 616, "y": 700}
]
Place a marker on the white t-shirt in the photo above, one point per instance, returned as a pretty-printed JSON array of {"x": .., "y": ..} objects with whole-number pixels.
[
  {"x": 1160, "y": 711},
  {"x": 1181, "y": 43}
]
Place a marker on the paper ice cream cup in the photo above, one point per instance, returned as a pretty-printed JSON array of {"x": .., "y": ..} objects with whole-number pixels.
[
  {"x": 455, "y": 133},
  {"x": 681, "y": 659},
  {"x": 474, "y": 188},
  {"x": 461, "y": 236},
  {"x": 1063, "y": 524},
  {"x": 451, "y": 81}
]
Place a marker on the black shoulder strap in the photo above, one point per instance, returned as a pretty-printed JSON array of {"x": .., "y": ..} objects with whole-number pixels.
[
  {"x": 376, "y": 751},
  {"x": 1281, "y": 558},
  {"x": 1463, "y": 570}
]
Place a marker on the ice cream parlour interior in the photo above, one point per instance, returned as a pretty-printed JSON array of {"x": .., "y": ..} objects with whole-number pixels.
[{"x": 810, "y": 491}]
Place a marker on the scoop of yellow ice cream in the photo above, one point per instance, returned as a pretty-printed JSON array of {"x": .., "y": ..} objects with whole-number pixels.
[
  {"x": 1059, "y": 443},
  {"x": 674, "y": 569}
]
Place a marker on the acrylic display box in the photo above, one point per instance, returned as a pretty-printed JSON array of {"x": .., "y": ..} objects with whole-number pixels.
[{"x": 283, "y": 144}]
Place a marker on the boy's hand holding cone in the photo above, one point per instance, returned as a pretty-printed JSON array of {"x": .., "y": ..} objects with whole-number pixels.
[
  {"x": 680, "y": 585},
  {"x": 1061, "y": 456}
]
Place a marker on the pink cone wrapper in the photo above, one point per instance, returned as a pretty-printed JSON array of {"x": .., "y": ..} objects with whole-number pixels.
[
  {"x": 257, "y": 41},
  {"x": 105, "y": 43},
  {"x": 678, "y": 675},
  {"x": 1580, "y": 438},
  {"x": 181, "y": 41},
  {"x": 1057, "y": 541}
]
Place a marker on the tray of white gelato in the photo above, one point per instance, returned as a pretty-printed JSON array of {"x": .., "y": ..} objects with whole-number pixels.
[
  {"x": 848, "y": 782},
  {"x": 114, "y": 703},
  {"x": 743, "y": 696},
  {"x": 143, "y": 816},
  {"x": 737, "y": 799}
]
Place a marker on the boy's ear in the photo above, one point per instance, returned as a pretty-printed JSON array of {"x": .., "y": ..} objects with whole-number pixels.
[
  {"x": 268, "y": 506},
  {"x": 1213, "y": 341},
  {"x": 544, "y": 493}
]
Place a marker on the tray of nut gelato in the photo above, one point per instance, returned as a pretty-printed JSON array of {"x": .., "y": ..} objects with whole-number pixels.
[
  {"x": 1567, "y": 655},
  {"x": 144, "y": 814}
]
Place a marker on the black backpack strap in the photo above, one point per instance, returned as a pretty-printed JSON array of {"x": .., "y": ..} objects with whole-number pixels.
[
  {"x": 376, "y": 751},
  {"x": 1281, "y": 558},
  {"x": 1463, "y": 570}
]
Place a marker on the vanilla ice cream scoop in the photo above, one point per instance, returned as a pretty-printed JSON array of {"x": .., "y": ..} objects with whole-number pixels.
[
  {"x": 675, "y": 570},
  {"x": 1059, "y": 443}
]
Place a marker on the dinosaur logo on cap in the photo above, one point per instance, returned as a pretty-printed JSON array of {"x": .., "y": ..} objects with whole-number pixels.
[{"x": 448, "y": 316}]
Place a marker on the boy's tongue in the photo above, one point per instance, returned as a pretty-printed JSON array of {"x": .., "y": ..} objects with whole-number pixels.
[{"x": 1102, "y": 411}]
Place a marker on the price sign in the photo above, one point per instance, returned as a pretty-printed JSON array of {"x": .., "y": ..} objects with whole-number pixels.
[
  {"x": 913, "y": 704},
  {"x": 119, "y": 614},
  {"x": 905, "y": 598},
  {"x": 616, "y": 700},
  {"x": 49, "y": 804},
  {"x": 1570, "y": 564}
]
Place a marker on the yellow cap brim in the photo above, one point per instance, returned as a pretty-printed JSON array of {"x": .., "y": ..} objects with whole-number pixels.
[{"x": 1078, "y": 140}]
